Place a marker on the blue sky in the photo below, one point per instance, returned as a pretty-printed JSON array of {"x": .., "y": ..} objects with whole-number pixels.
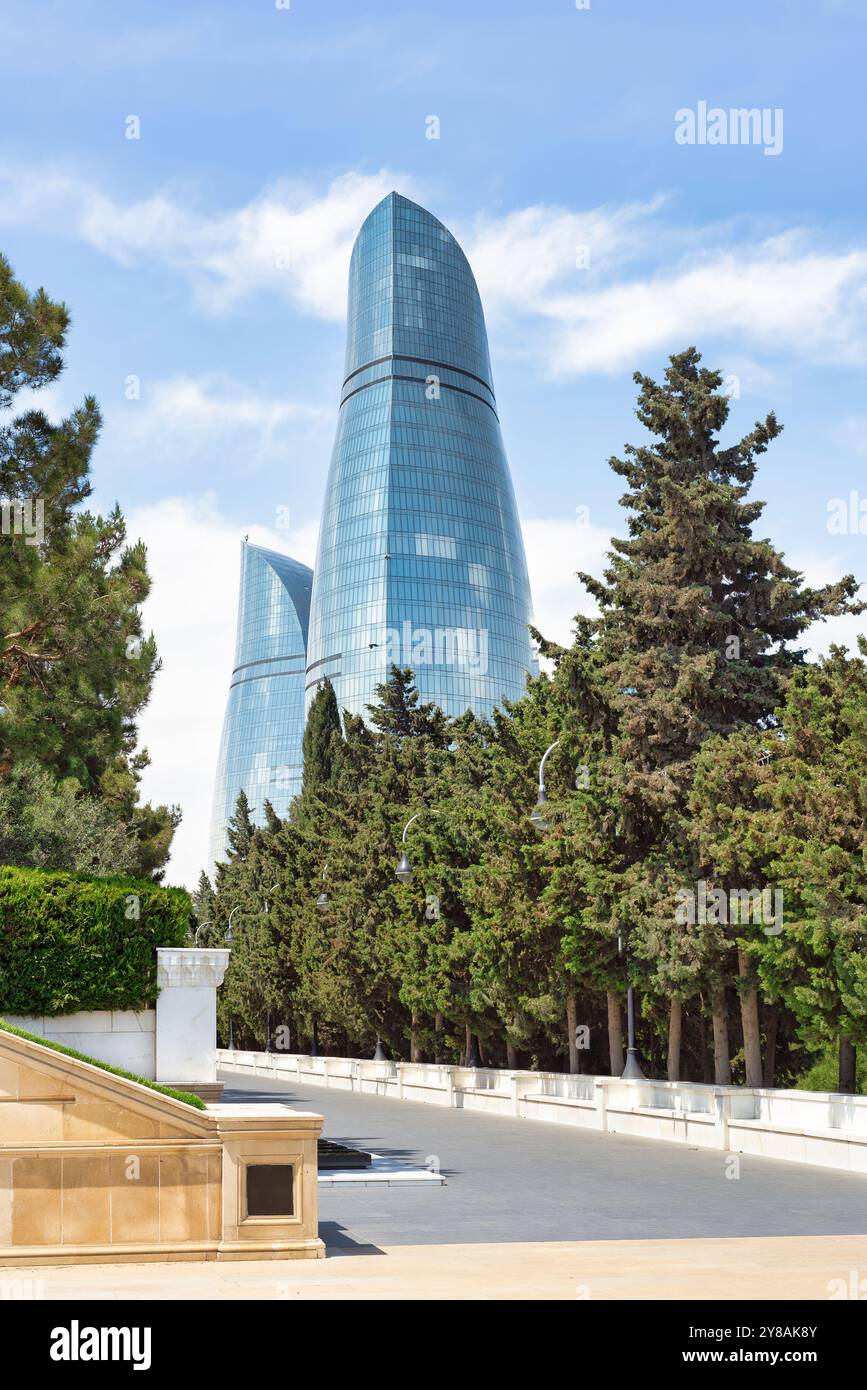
[{"x": 208, "y": 259}]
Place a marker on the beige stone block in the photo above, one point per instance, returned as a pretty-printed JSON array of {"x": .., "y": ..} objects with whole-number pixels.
[
  {"x": 170, "y": 1131},
  {"x": 86, "y": 1206},
  {"x": 36, "y": 1200},
  {"x": 215, "y": 1197},
  {"x": 135, "y": 1198},
  {"x": 8, "y": 1077},
  {"x": 93, "y": 1119},
  {"x": 34, "y": 1084},
  {"x": 21, "y": 1123},
  {"x": 5, "y": 1202},
  {"x": 184, "y": 1196}
]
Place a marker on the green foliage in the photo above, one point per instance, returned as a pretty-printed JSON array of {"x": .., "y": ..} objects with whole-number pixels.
[
  {"x": 72, "y": 942},
  {"x": 693, "y": 741},
  {"x": 76, "y": 668},
  {"x": 822, "y": 1075},
  {"x": 186, "y": 1096},
  {"x": 46, "y": 824}
]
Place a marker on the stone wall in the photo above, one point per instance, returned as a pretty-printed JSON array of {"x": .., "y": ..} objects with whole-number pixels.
[{"x": 96, "y": 1168}]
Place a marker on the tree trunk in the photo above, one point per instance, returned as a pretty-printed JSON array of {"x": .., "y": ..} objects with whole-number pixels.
[
  {"x": 615, "y": 1034},
  {"x": 438, "y": 1037},
  {"x": 571, "y": 1030},
  {"x": 705, "y": 1060},
  {"x": 722, "y": 1066},
  {"x": 468, "y": 1045},
  {"x": 772, "y": 1023},
  {"x": 675, "y": 1033},
  {"x": 750, "y": 1023},
  {"x": 414, "y": 1049},
  {"x": 846, "y": 1080},
  {"x": 511, "y": 1056}
]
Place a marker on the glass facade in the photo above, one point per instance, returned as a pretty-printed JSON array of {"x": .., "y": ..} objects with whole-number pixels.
[
  {"x": 420, "y": 558},
  {"x": 260, "y": 750}
]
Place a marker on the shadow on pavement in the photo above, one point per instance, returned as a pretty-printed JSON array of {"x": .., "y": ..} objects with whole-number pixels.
[{"x": 339, "y": 1242}]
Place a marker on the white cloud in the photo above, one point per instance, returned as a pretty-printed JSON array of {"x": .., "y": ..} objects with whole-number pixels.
[
  {"x": 775, "y": 296},
  {"x": 200, "y": 410},
  {"x": 844, "y": 631},
  {"x": 556, "y": 549},
  {"x": 194, "y": 561},
  {"x": 517, "y": 258},
  {"x": 289, "y": 240},
  {"x": 650, "y": 285}
]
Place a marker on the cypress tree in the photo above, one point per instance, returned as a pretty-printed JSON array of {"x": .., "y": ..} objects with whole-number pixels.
[{"x": 323, "y": 739}]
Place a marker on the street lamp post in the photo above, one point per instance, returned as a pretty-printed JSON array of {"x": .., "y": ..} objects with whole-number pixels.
[
  {"x": 632, "y": 1070},
  {"x": 404, "y": 868},
  {"x": 538, "y": 816},
  {"x": 403, "y": 872},
  {"x": 229, "y": 937}
]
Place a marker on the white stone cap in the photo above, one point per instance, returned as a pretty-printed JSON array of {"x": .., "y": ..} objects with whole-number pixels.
[
  {"x": 257, "y": 1110},
  {"x": 191, "y": 967}
]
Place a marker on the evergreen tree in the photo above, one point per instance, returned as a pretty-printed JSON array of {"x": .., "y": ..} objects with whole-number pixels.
[
  {"x": 75, "y": 666},
  {"x": 323, "y": 738},
  {"x": 812, "y": 828},
  {"x": 204, "y": 900},
  {"x": 696, "y": 615},
  {"x": 240, "y": 830}
]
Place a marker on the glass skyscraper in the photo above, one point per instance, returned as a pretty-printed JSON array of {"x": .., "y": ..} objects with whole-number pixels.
[
  {"x": 260, "y": 750},
  {"x": 420, "y": 560}
]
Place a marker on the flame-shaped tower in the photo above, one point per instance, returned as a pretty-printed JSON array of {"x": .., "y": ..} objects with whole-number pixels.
[{"x": 420, "y": 560}]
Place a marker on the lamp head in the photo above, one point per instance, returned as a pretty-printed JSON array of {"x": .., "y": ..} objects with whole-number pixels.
[
  {"x": 404, "y": 869},
  {"x": 322, "y": 900},
  {"x": 537, "y": 817}
]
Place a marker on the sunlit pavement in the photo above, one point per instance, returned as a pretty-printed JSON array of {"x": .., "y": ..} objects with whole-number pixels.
[
  {"x": 511, "y": 1180},
  {"x": 797, "y": 1267}
]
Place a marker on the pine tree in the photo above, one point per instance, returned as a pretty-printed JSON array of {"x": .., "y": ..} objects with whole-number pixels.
[
  {"x": 398, "y": 713},
  {"x": 695, "y": 617},
  {"x": 204, "y": 900},
  {"x": 812, "y": 828},
  {"x": 75, "y": 666},
  {"x": 240, "y": 830}
]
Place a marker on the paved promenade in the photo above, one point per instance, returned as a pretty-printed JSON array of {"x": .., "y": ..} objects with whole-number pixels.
[
  {"x": 530, "y": 1211},
  {"x": 516, "y": 1180},
  {"x": 786, "y": 1268}
]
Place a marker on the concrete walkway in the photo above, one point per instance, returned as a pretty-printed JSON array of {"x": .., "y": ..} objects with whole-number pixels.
[
  {"x": 513, "y": 1181},
  {"x": 796, "y": 1267}
]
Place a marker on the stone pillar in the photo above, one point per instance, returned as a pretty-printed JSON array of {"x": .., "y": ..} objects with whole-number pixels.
[{"x": 186, "y": 1033}]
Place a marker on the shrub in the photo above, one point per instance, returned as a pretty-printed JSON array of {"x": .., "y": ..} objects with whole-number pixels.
[{"x": 74, "y": 941}]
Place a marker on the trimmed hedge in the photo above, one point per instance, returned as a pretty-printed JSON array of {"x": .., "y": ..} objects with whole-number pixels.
[
  {"x": 70, "y": 942},
  {"x": 186, "y": 1096}
]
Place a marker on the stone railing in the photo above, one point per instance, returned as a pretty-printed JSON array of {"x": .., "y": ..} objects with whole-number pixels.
[{"x": 817, "y": 1127}]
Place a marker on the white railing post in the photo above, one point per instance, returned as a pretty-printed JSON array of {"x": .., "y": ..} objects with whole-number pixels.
[
  {"x": 722, "y": 1111},
  {"x": 601, "y": 1105}
]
